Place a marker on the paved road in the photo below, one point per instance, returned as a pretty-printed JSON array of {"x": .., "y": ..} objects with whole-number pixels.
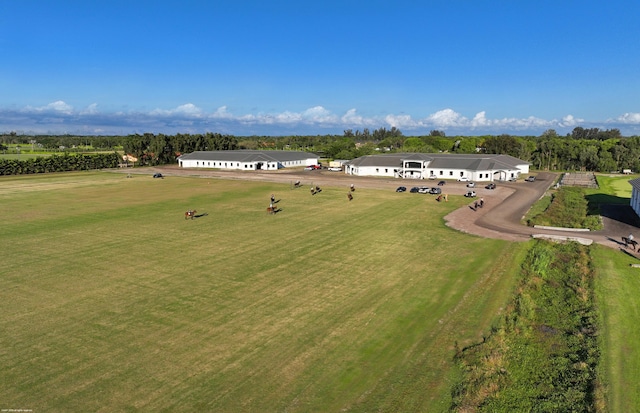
[{"x": 499, "y": 218}]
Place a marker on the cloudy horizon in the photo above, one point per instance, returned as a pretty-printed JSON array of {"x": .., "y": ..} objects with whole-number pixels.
[{"x": 57, "y": 118}]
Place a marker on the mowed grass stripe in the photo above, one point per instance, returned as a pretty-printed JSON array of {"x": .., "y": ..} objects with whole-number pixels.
[
  {"x": 617, "y": 285},
  {"x": 115, "y": 302}
]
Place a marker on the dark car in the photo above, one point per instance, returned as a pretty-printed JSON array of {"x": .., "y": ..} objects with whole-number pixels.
[
  {"x": 491, "y": 186},
  {"x": 415, "y": 189},
  {"x": 401, "y": 189},
  {"x": 441, "y": 183},
  {"x": 530, "y": 179},
  {"x": 158, "y": 175},
  {"x": 435, "y": 191}
]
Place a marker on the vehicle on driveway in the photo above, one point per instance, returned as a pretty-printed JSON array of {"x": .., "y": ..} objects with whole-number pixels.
[
  {"x": 401, "y": 189},
  {"x": 435, "y": 191},
  {"x": 312, "y": 167},
  {"x": 423, "y": 190},
  {"x": 491, "y": 186},
  {"x": 463, "y": 179},
  {"x": 334, "y": 169},
  {"x": 470, "y": 194},
  {"x": 471, "y": 185},
  {"x": 530, "y": 179},
  {"x": 441, "y": 183}
]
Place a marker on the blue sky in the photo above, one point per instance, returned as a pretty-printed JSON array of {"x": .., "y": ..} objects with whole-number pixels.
[{"x": 283, "y": 67}]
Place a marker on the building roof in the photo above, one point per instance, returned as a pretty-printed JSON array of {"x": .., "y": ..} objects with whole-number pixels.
[
  {"x": 249, "y": 156},
  {"x": 476, "y": 162},
  {"x": 635, "y": 184}
]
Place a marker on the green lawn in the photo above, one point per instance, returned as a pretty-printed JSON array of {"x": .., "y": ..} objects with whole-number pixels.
[
  {"x": 111, "y": 301},
  {"x": 618, "y": 292}
]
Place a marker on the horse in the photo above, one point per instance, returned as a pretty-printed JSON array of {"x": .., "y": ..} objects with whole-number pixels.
[
  {"x": 272, "y": 210},
  {"x": 297, "y": 184},
  {"x": 353, "y": 188},
  {"x": 350, "y": 196},
  {"x": 628, "y": 242},
  {"x": 189, "y": 214}
]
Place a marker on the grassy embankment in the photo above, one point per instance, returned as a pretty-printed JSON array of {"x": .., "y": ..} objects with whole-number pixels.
[
  {"x": 111, "y": 301},
  {"x": 543, "y": 356}
]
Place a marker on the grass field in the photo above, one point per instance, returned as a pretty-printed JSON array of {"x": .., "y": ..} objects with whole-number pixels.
[
  {"x": 111, "y": 301},
  {"x": 617, "y": 289}
]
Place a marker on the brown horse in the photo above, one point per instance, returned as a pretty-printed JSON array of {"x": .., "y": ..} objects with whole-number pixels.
[
  {"x": 353, "y": 188},
  {"x": 350, "y": 196},
  {"x": 190, "y": 214},
  {"x": 272, "y": 210}
]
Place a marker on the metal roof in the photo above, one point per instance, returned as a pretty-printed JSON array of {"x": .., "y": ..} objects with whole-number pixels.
[
  {"x": 475, "y": 162},
  {"x": 249, "y": 156}
]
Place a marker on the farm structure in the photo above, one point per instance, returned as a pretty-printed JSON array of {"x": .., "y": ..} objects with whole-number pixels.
[
  {"x": 247, "y": 159},
  {"x": 635, "y": 195},
  {"x": 476, "y": 167}
]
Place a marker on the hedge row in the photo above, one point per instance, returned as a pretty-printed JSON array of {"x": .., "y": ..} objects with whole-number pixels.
[{"x": 57, "y": 163}]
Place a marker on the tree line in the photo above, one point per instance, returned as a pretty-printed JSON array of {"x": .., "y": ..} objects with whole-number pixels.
[{"x": 588, "y": 149}]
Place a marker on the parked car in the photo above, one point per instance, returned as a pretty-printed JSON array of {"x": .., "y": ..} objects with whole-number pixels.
[
  {"x": 470, "y": 194},
  {"x": 435, "y": 191},
  {"x": 401, "y": 189},
  {"x": 491, "y": 186},
  {"x": 432, "y": 177},
  {"x": 158, "y": 175},
  {"x": 441, "y": 183},
  {"x": 463, "y": 179},
  {"x": 423, "y": 190},
  {"x": 414, "y": 190},
  {"x": 530, "y": 179},
  {"x": 471, "y": 185},
  {"x": 312, "y": 167},
  {"x": 334, "y": 169}
]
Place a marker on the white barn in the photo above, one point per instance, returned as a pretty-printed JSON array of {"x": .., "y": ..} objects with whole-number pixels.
[
  {"x": 635, "y": 195},
  {"x": 247, "y": 159},
  {"x": 474, "y": 167}
]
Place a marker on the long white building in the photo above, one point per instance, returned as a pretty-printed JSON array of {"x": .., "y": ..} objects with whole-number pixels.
[
  {"x": 474, "y": 167},
  {"x": 247, "y": 159}
]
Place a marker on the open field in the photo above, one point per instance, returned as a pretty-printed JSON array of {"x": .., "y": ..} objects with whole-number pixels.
[{"x": 111, "y": 301}]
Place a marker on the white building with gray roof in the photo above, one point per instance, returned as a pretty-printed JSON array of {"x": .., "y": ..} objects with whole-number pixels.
[
  {"x": 474, "y": 167},
  {"x": 247, "y": 159},
  {"x": 635, "y": 195}
]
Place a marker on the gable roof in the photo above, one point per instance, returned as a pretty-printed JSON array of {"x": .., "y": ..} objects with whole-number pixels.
[
  {"x": 247, "y": 155},
  {"x": 635, "y": 184},
  {"x": 476, "y": 162}
]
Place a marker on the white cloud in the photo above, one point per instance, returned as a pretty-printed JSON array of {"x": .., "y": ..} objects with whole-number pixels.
[
  {"x": 447, "y": 118},
  {"x": 629, "y": 118},
  {"x": 59, "y": 106},
  {"x": 188, "y": 110},
  {"x": 92, "y": 109},
  {"x": 401, "y": 121},
  {"x": 60, "y": 117}
]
